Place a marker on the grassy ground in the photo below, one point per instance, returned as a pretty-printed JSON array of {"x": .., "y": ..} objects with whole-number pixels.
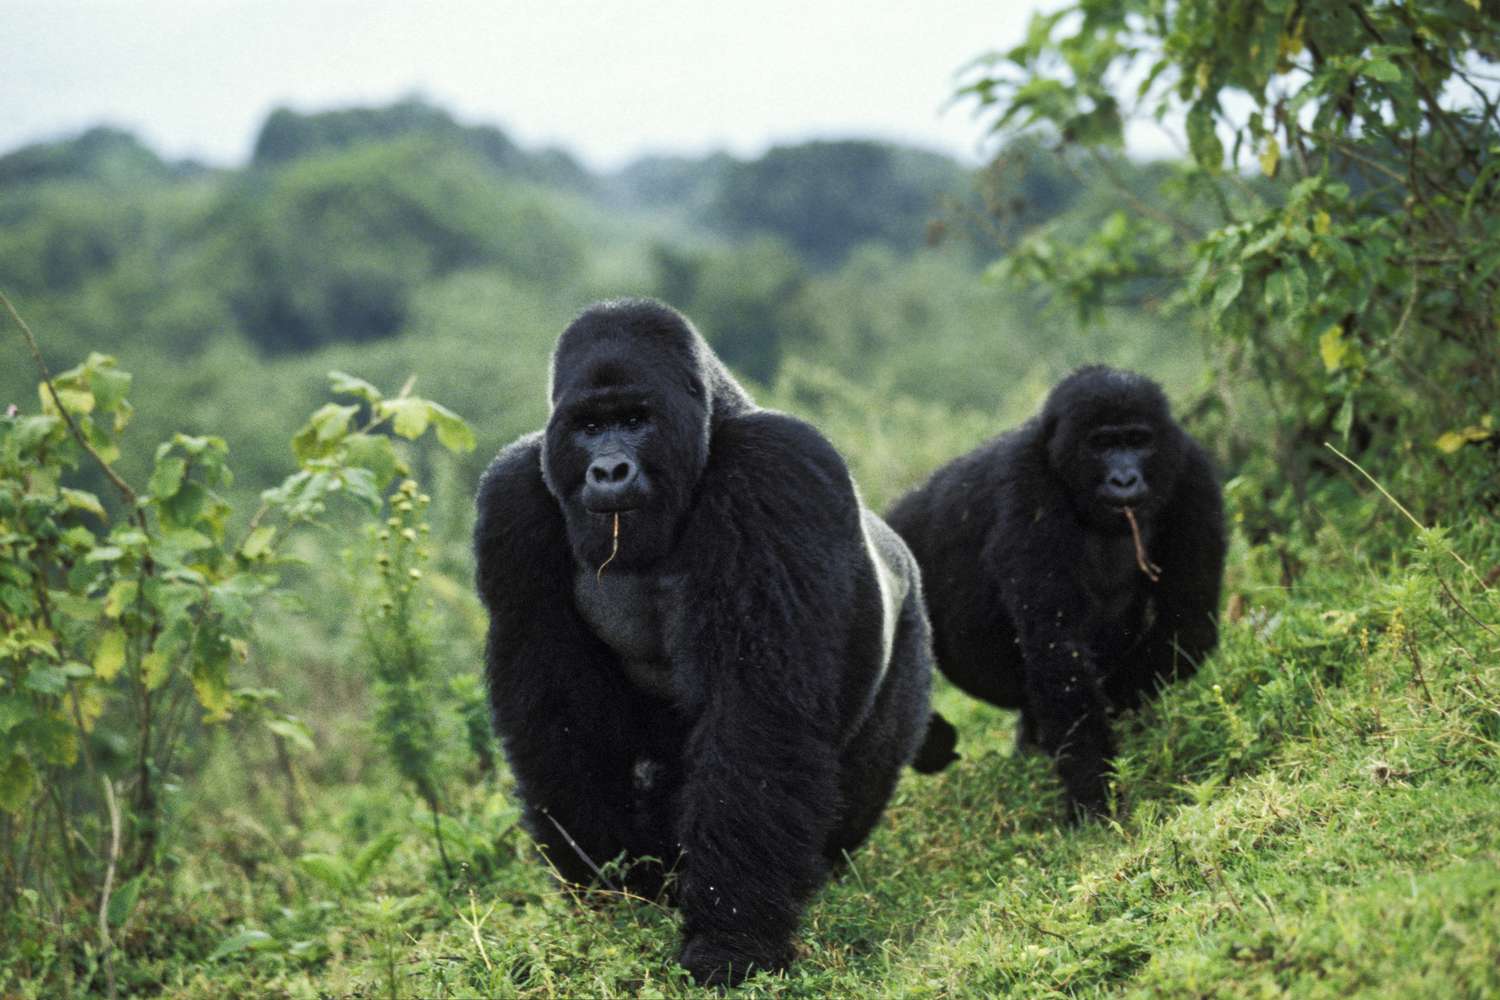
[{"x": 1317, "y": 813}]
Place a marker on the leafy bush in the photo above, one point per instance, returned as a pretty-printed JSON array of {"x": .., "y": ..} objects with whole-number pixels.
[{"x": 117, "y": 620}]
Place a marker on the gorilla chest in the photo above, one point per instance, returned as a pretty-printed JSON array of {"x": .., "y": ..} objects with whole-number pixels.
[
  {"x": 1115, "y": 584},
  {"x": 627, "y": 612}
]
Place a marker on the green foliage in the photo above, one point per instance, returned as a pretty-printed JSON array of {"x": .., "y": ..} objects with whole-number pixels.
[
  {"x": 288, "y": 135},
  {"x": 412, "y": 719},
  {"x": 824, "y": 198},
  {"x": 1328, "y": 777},
  {"x": 1356, "y": 284},
  {"x": 103, "y": 155},
  {"x": 117, "y": 618},
  {"x": 336, "y": 246},
  {"x": 744, "y": 299}
]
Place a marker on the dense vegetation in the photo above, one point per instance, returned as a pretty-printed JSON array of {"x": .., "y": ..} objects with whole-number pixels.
[{"x": 242, "y": 744}]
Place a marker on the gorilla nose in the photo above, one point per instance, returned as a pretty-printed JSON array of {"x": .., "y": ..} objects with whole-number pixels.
[
  {"x": 611, "y": 470},
  {"x": 613, "y": 483},
  {"x": 1124, "y": 487}
]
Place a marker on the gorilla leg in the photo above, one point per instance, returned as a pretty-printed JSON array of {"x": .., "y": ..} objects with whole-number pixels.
[
  {"x": 1065, "y": 705},
  {"x": 873, "y": 760},
  {"x": 1027, "y": 741}
]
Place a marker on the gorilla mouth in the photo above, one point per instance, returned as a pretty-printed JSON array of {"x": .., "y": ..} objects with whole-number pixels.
[
  {"x": 1120, "y": 503},
  {"x": 606, "y": 507}
]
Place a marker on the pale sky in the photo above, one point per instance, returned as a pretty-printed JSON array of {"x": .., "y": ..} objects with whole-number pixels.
[{"x": 608, "y": 81}]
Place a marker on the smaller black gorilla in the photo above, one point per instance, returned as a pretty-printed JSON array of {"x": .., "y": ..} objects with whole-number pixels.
[
  {"x": 702, "y": 649},
  {"x": 1042, "y": 597}
]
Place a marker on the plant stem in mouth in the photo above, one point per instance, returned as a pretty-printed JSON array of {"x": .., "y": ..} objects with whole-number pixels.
[
  {"x": 614, "y": 550},
  {"x": 1152, "y": 571}
]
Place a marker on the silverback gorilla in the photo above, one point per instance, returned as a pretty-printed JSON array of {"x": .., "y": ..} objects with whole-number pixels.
[
  {"x": 704, "y": 657},
  {"x": 1071, "y": 566}
]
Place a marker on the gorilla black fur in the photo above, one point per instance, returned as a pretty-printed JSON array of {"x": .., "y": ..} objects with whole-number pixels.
[
  {"x": 1039, "y": 597},
  {"x": 735, "y": 693}
]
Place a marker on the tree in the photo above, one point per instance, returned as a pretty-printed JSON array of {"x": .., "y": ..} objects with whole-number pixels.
[{"x": 1356, "y": 281}]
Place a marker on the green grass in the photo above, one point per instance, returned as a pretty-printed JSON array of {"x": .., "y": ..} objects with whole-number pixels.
[{"x": 1316, "y": 813}]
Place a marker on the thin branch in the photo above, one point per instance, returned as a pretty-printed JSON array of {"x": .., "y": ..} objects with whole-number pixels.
[
  {"x": 1183, "y": 229},
  {"x": 1460, "y": 605},
  {"x": 1409, "y": 515},
  {"x": 105, "y": 944},
  {"x": 36, "y": 354},
  {"x": 580, "y": 851}
]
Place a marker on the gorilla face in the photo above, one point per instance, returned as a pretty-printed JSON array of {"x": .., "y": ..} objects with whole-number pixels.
[
  {"x": 1113, "y": 445},
  {"x": 1119, "y": 454},
  {"x": 628, "y": 437}
]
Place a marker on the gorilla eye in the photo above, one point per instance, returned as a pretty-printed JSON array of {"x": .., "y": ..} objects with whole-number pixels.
[
  {"x": 1114, "y": 438},
  {"x": 633, "y": 421},
  {"x": 591, "y": 427}
]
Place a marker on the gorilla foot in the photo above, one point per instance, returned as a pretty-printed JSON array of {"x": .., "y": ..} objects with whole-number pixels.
[
  {"x": 937, "y": 750},
  {"x": 713, "y": 961}
]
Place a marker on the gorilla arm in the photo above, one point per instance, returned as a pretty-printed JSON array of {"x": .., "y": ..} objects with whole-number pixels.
[
  {"x": 559, "y": 702},
  {"x": 1189, "y": 544},
  {"x": 771, "y": 552},
  {"x": 1064, "y": 707}
]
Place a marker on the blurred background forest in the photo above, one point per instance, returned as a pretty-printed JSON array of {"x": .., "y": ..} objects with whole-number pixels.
[
  {"x": 245, "y": 749},
  {"x": 396, "y": 240}
]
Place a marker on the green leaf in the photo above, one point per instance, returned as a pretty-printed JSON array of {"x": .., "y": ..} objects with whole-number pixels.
[
  {"x": 83, "y": 500},
  {"x": 14, "y": 710},
  {"x": 344, "y": 384},
  {"x": 46, "y": 679},
  {"x": 1344, "y": 419},
  {"x": 17, "y": 782},
  {"x": 1383, "y": 70},
  {"x": 377, "y": 454},
  {"x": 245, "y": 940},
  {"x": 323, "y": 430},
  {"x": 330, "y": 869},
  {"x": 110, "y": 385},
  {"x": 166, "y": 480},
  {"x": 411, "y": 415},
  {"x": 1270, "y": 157},
  {"x": 172, "y": 598},
  {"x": 1332, "y": 347},
  {"x": 52, "y": 740},
  {"x": 231, "y": 598},
  {"x": 1451, "y": 441},
  {"x": 73, "y": 400},
  {"x": 373, "y": 853},
  {"x": 1227, "y": 290},
  {"x": 186, "y": 505},
  {"x": 32, "y": 431},
  {"x": 258, "y": 542},
  {"x": 196, "y": 445},
  {"x": 121, "y": 595},
  {"x": 183, "y": 540},
  {"x": 109, "y": 657},
  {"x": 361, "y": 483},
  {"x": 211, "y": 651},
  {"x": 292, "y": 730},
  {"x": 453, "y": 431},
  {"x": 1203, "y": 140},
  {"x": 155, "y": 666},
  {"x": 122, "y": 901}
]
